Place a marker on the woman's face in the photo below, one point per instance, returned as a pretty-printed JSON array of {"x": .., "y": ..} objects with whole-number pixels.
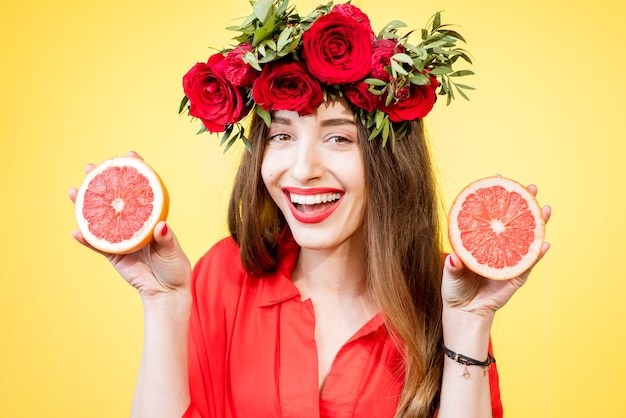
[{"x": 313, "y": 169}]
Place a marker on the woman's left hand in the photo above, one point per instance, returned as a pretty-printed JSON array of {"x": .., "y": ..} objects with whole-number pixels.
[{"x": 467, "y": 291}]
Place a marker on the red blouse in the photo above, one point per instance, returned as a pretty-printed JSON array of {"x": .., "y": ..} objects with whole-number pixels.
[{"x": 252, "y": 350}]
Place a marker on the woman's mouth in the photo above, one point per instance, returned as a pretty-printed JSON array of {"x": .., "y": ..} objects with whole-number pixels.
[{"x": 312, "y": 205}]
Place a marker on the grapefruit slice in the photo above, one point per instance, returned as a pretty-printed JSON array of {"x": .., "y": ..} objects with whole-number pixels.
[
  {"x": 496, "y": 227},
  {"x": 119, "y": 203}
]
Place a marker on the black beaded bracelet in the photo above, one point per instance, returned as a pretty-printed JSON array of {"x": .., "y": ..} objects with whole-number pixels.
[{"x": 468, "y": 361}]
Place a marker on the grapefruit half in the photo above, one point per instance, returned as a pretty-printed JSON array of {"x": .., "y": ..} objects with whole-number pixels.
[
  {"x": 119, "y": 203},
  {"x": 496, "y": 228}
]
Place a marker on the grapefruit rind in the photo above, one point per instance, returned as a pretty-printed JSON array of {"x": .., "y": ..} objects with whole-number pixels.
[
  {"x": 536, "y": 232},
  {"x": 142, "y": 236}
]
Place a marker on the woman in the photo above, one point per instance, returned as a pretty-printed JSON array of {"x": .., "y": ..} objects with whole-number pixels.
[{"x": 331, "y": 297}]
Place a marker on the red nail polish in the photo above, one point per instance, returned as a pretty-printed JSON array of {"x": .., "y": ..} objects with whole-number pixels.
[
  {"x": 451, "y": 262},
  {"x": 164, "y": 230}
]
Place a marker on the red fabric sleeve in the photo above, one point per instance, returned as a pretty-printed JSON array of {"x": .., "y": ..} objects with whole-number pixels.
[
  {"x": 494, "y": 388},
  {"x": 216, "y": 284}
]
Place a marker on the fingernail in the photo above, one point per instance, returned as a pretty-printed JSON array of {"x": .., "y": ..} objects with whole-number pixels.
[
  {"x": 164, "y": 230},
  {"x": 451, "y": 262}
]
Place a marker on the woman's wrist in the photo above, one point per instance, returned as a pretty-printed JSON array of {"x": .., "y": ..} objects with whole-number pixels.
[
  {"x": 466, "y": 332},
  {"x": 170, "y": 302}
]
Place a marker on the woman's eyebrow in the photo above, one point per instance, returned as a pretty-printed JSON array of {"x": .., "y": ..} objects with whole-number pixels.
[
  {"x": 337, "y": 122},
  {"x": 325, "y": 122},
  {"x": 281, "y": 120}
]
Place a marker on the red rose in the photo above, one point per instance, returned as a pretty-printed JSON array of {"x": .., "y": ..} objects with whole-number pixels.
[
  {"x": 358, "y": 94},
  {"x": 415, "y": 102},
  {"x": 239, "y": 72},
  {"x": 287, "y": 85},
  {"x": 355, "y": 13},
  {"x": 212, "y": 98},
  {"x": 382, "y": 51},
  {"x": 337, "y": 49}
]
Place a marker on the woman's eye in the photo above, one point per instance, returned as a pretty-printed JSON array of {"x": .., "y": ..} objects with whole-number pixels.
[
  {"x": 279, "y": 138},
  {"x": 339, "y": 140}
]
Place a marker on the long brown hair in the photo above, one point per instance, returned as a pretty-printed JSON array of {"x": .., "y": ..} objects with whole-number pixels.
[{"x": 403, "y": 248}]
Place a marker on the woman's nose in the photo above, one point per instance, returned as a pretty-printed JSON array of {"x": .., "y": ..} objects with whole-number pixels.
[{"x": 306, "y": 164}]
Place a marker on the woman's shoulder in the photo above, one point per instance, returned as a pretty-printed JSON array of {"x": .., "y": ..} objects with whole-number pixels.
[
  {"x": 221, "y": 272},
  {"x": 224, "y": 248},
  {"x": 220, "y": 267}
]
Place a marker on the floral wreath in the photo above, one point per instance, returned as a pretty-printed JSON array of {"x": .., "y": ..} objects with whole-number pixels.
[{"x": 284, "y": 61}]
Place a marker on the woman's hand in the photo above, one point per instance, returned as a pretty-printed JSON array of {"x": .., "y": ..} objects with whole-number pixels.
[
  {"x": 466, "y": 291},
  {"x": 159, "y": 268}
]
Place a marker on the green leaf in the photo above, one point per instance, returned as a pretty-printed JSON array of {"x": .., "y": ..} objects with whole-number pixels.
[
  {"x": 265, "y": 31},
  {"x": 183, "y": 104},
  {"x": 454, "y": 34},
  {"x": 397, "y": 68},
  {"x": 379, "y": 117},
  {"x": 230, "y": 144},
  {"x": 441, "y": 70},
  {"x": 282, "y": 7},
  {"x": 234, "y": 28},
  {"x": 465, "y": 87},
  {"x": 263, "y": 114},
  {"x": 375, "y": 133},
  {"x": 450, "y": 95},
  {"x": 269, "y": 57},
  {"x": 246, "y": 22},
  {"x": 227, "y": 133},
  {"x": 419, "y": 52},
  {"x": 243, "y": 39},
  {"x": 400, "y": 57},
  {"x": 461, "y": 92},
  {"x": 263, "y": 9},
  {"x": 463, "y": 54},
  {"x": 283, "y": 39},
  {"x": 461, "y": 73},
  {"x": 202, "y": 130},
  {"x": 434, "y": 45},
  {"x": 442, "y": 87},
  {"x": 436, "y": 36},
  {"x": 436, "y": 21},
  {"x": 375, "y": 82},
  {"x": 419, "y": 79},
  {"x": 375, "y": 92},
  {"x": 271, "y": 44},
  {"x": 449, "y": 40},
  {"x": 246, "y": 143},
  {"x": 251, "y": 59},
  {"x": 290, "y": 48},
  {"x": 389, "y": 99},
  {"x": 393, "y": 26},
  {"x": 386, "y": 129}
]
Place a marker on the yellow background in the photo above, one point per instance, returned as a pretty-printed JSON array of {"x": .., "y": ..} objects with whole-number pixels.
[{"x": 82, "y": 81}]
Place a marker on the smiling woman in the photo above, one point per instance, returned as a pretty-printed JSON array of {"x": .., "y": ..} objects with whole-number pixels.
[{"x": 329, "y": 298}]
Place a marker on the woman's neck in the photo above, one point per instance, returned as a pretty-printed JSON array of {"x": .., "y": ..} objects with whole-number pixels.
[{"x": 337, "y": 274}]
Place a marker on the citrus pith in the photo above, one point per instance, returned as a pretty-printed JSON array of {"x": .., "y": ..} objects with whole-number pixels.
[
  {"x": 496, "y": 228},
  {"x": 119, "y": 203}
]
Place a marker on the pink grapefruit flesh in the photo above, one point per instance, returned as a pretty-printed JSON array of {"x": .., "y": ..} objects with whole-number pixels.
[
  {"x": 119, "y": 203},
  {"x": 496, "y": 228}
]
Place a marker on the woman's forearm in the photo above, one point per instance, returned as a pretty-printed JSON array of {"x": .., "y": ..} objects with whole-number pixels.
[
  {"x": 162, "y": 388},
  {"x": 465, "y": 390}
]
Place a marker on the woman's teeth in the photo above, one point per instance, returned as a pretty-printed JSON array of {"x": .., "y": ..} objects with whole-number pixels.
[{"x": 313, "y": 199}]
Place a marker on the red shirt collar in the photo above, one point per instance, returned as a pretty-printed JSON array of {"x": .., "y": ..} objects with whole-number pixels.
[{"x": 278, "y": 287}]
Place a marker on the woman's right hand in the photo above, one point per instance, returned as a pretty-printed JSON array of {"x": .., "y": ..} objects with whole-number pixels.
[{"x": 158, "y": 269}]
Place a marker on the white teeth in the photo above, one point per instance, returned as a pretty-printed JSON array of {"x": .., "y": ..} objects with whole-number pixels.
[{"x": 313, "y": 199}]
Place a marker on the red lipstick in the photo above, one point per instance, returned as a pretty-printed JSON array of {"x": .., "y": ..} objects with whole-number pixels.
[{"x": 312, "y": 205}]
